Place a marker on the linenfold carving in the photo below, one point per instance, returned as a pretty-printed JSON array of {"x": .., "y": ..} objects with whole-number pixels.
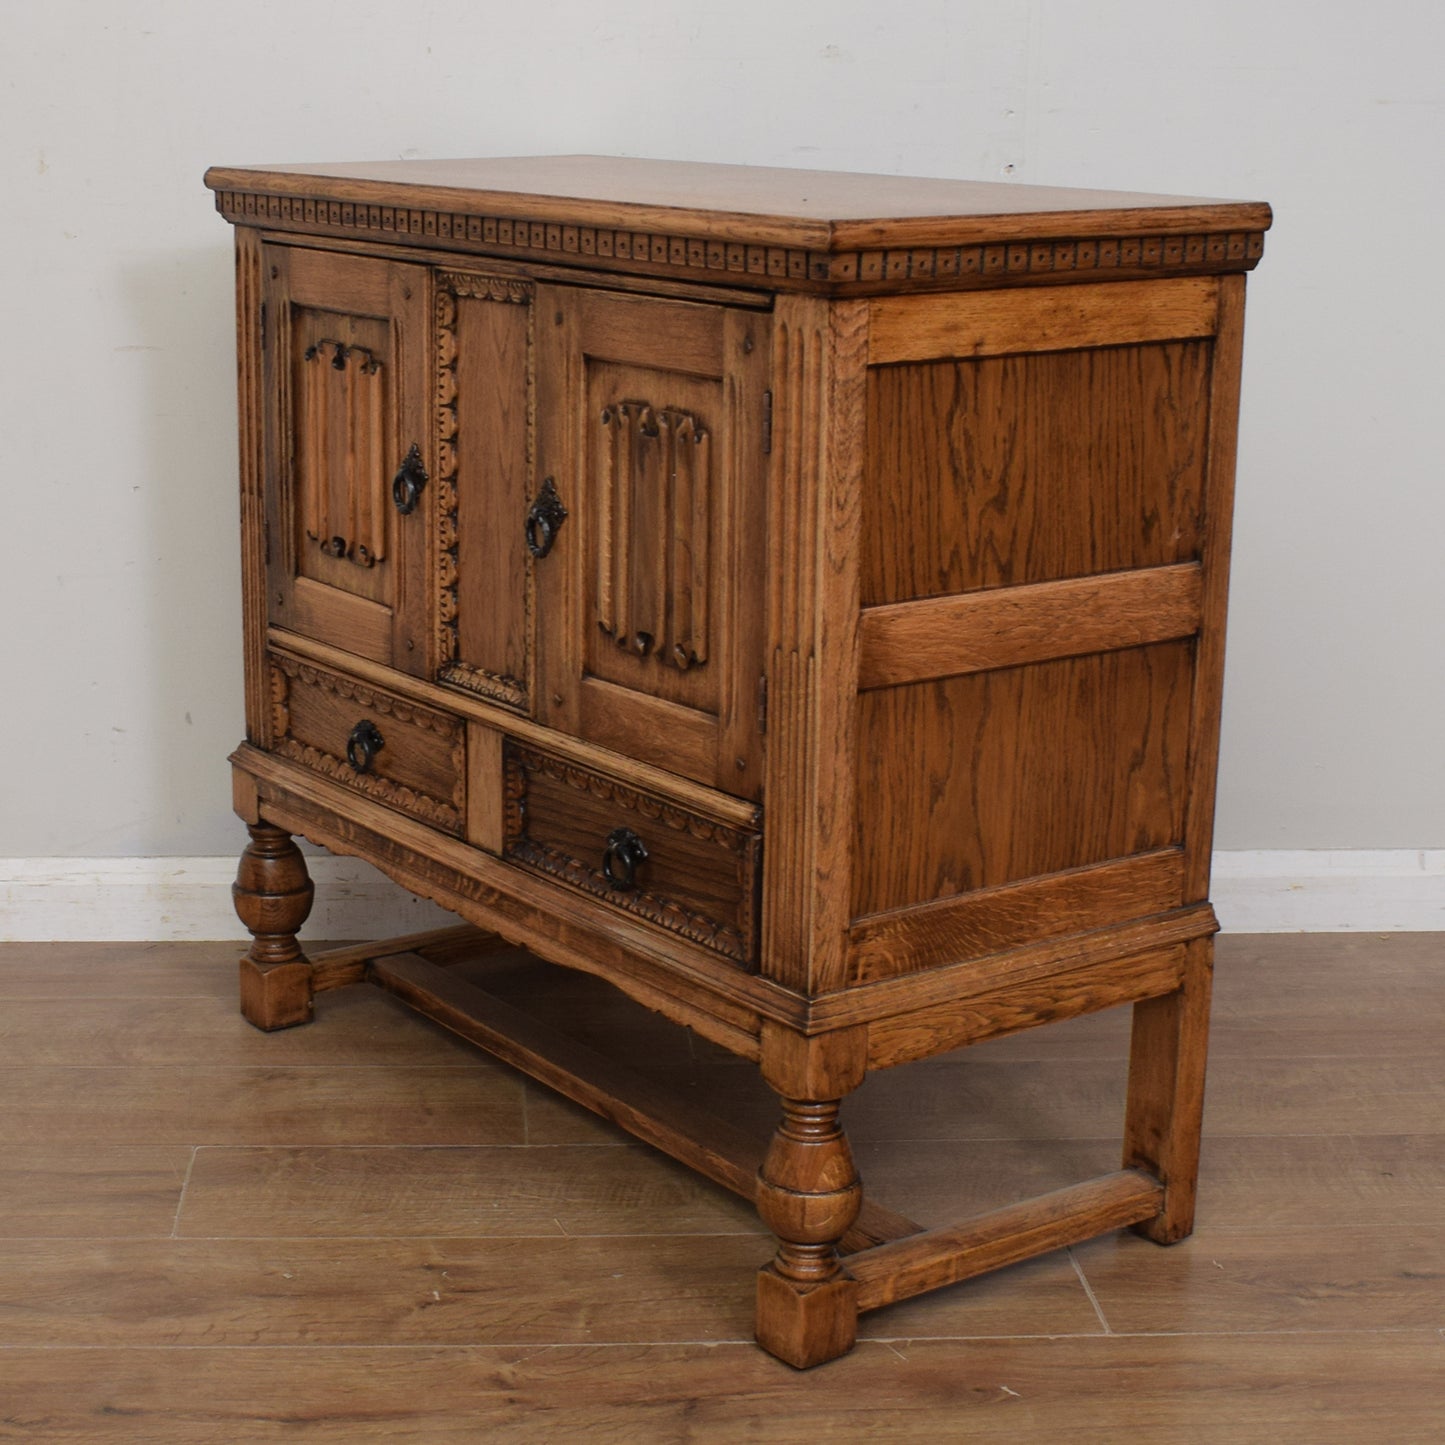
[
  {"x": 654, "y": 501},
  {"x": 342, "y": 506}
]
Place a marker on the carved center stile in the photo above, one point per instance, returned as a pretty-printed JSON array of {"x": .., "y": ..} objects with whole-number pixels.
[{"x": 654, "y": 498}]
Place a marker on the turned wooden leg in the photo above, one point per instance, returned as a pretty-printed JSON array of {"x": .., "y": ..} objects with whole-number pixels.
[
  {"x": 273, "y": 894},
  {"x": 808, "y": 1195},
  {"x": 1166, "y": 1093}
]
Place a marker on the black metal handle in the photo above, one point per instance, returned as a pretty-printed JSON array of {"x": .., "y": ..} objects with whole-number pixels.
[
  {"x": 544, "y": 518},
  {"x": 624, "y": 855},
  {"x": 363, "y": 745},
  {"x": 410, "y": 478}
]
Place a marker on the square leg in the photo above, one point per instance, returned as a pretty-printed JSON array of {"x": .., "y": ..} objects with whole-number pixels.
[{"x": 1165, "y": 1111}]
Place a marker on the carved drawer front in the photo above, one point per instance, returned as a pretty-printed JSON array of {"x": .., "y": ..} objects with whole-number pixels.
[
  {"x": 636, "y": 850},
  {"x": 393, "y": 751}
]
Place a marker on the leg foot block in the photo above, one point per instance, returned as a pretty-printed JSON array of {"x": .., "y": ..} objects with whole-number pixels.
[
  {"x": 806, "y": 1324},
  {"x": 278, "y": 997},
  {"x": 1163, "y": 1230}
]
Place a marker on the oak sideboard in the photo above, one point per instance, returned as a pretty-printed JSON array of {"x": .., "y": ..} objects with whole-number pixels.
[{"x": 796, "y": 598}]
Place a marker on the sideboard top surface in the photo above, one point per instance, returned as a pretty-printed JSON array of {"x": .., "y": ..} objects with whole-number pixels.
[{"x": 824, "y": 215}]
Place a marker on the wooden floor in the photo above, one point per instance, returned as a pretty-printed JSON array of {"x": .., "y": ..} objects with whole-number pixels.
[{"x": 364, "y": 1230}]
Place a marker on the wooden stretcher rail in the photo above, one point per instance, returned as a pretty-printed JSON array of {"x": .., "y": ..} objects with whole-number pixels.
[
  {"x": 711, "y": 1146},
  {"x": 940, "y": 1257}
]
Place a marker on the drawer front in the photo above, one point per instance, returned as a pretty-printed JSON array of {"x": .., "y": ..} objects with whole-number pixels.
[
  {"x": 396, "y": 752},
  {"x": 638, "y": 851}
]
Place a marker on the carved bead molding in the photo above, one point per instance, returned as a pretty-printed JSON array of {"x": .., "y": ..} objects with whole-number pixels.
[
  {"x": 342, "y": 501},
  {"x": 508, "y": 290},
  {"x": 652, "y": 591},
  {"x": 445, "y": 814},
  {"x": 696, "y": 257},
  {"x": 734, "y": 941}
]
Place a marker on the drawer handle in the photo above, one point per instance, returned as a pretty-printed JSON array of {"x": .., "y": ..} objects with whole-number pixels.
[
  {"x": 410, "y": 478},
  {"x": 544, "y": 518},
  {"x": 624, "y": 855},
  {"x": 363, "y": 745}
]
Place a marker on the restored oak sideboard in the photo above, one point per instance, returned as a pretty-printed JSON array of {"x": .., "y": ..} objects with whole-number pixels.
[{"x": 797, "y": 598}]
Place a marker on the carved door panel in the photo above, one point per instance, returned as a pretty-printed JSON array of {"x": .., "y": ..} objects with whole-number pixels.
[
  {"x": 347, "y": 452},
  {"x": 649, "y": 522}
]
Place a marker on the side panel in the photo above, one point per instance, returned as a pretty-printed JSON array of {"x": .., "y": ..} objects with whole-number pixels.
[{"x": 1045, "y": 517}]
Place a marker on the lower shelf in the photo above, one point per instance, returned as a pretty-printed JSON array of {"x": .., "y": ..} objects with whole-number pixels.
[{"x": 886, "y": 1257}]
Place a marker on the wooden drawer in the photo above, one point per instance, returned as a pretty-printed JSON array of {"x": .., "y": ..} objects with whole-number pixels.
[
  {"x": 638, "y": 851},
  {"x": 332, "y": 724}
]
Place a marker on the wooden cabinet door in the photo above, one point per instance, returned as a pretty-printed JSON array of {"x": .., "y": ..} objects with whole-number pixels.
[
  {"x": 347, "y": 452},
  {"x": 650, "y": 588}
]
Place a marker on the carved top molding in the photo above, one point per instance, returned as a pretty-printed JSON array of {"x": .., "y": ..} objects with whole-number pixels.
[
  {"x": 478, "y": 287},
  {"x": 728, "y": 223}
]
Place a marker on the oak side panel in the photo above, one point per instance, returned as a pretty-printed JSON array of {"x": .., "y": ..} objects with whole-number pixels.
[
  {"x": 812, "y": 619},
  {"x": 1029, "y": 468},
  {"x": 1219, "y": 517},
  {"x": 970, "y": 925},
  {"x": 994, "y": 323},
  {"x": 998, "y": 776}
]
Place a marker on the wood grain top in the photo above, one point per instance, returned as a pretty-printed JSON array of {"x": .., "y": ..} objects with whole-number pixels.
[
  {"x": 824, "y": 232},
  {"x": 820, "y": 210}
]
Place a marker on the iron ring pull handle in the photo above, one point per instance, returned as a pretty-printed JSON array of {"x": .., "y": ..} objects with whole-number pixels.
[
  {"x": 410, "y": 478},
  {"x": 363, "y": 744},
  {"x": 624, "y": 855},
  {"x": 544, "y": 519}
]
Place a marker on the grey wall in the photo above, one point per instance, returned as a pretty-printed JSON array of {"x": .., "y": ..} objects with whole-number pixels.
[{"x": 119, "y": 568}]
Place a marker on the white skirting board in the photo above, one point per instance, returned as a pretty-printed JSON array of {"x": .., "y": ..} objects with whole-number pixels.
[{"x": 122, "y": 899}]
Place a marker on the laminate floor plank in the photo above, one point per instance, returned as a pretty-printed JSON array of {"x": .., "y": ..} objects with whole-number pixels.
[
  {"x": 1388, "y": 1277},
  {"x": 378, "y": 1292},
  {"x": 387, "y": 1191},
  {"x": 88, "y": 1190},
  {"x": 457, "y": 1104},
  {"x": 352, "y": 1026},
  {"x": 1342, "y": 1389},
  {"x": 119, "y": 970},
  {"x": 365, "y": 1230},
  {"x": 1260, "y": 1183}
]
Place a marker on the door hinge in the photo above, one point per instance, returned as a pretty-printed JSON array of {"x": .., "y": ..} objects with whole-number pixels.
[
  {"x": 763, "y": 703},
  {"x": 767, "y": 423}
]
